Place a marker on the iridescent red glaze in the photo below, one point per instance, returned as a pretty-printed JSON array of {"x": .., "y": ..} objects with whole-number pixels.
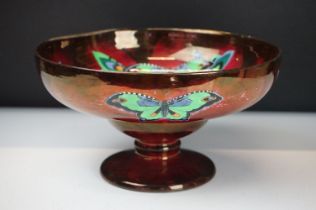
[{"x": 157, "y": 85}]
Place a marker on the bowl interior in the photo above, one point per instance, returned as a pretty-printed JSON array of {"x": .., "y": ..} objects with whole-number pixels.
[{"x": 157, "y": 50}]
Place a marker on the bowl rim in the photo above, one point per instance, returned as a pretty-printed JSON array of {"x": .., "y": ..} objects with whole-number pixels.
[{"x": 194, "y": 30}]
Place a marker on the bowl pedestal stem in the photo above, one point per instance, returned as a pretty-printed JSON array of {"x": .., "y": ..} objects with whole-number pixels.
[{"x": 157, "y": 167}]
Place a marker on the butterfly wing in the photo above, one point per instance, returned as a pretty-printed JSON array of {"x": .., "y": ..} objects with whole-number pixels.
[
  {"x": 181, "y": 107},
  {"x": 190, "y": 66},
  {"x": 106, "y": 62},
  {"x": 146, "y": 108},
  {"x": 221, "y": 61}
]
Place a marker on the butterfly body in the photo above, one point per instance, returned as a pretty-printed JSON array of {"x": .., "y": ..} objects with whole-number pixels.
[
  {"x": 164, "y": 109},
  {"x": 149, "y": 108}
]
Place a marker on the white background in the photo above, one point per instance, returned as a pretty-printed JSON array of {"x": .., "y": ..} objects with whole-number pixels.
[{"x": 50, "y": 158}]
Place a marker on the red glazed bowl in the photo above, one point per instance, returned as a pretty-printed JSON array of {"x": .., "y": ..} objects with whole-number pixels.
[{"x": 157, "y": 85}]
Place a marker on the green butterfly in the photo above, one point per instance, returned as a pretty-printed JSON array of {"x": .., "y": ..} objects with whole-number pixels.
[
  {"x": 149, "y": 108},
  {"x": 110, "y": 64}
]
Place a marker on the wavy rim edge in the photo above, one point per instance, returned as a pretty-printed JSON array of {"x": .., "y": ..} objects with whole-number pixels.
[{"x": 195, "y": 30}]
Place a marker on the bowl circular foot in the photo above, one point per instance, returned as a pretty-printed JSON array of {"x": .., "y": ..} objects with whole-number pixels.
[{"x": 129, "y": 170}]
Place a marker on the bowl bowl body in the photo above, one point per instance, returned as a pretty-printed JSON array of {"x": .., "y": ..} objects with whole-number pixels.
[
  {"x": 157, "y": 76},
  {"x": 158, "y": 85}
]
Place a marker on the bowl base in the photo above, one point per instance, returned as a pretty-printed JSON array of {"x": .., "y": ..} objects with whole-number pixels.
[{"x": 185, "y": 170}]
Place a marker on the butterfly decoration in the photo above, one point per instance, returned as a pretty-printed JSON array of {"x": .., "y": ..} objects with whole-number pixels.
[
  {"x": 107, "y": 63},
  {"x": 149, "y": 108},
  {"x": 219, "y": 62}
]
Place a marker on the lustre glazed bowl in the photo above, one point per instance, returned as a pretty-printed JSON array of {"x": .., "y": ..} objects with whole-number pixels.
[{"x": 157, "y": 85}]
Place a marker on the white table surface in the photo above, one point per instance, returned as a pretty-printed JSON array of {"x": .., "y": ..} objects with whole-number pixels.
[{"x": 50, "y": 158}]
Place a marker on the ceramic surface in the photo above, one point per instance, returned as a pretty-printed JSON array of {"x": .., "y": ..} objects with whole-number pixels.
[{"x": 158, "y": 85}]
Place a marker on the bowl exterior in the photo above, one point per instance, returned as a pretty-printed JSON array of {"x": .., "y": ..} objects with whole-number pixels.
[
  {"x": 158, "y": 109},
  {"x": 92, "y": 91}
]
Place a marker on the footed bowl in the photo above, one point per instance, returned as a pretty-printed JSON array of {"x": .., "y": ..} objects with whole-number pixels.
[{"x": 157, "y": 85}]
